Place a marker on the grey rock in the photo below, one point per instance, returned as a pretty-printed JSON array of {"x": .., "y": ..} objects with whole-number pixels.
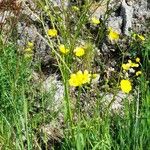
[
  {"x": 141, "y": 14},
  {"x": 117, "y": 104},
  {"x": 60, "y": 3},
  {"x": 114, "y": 4},
  {"x": 26, "y": 33},
  {"x": 127, "y": 15},
  {"x": 51, "y": 132},
  {"x": 51, "y": 84},
  {"x": 115, "y": 23}
]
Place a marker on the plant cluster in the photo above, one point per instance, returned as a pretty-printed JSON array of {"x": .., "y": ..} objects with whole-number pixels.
[{"x": 86, "y": 119}]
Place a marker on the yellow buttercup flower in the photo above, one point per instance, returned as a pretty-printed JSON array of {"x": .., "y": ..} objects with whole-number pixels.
[
  {"x": 76, "y": 79},
  {"x": 79, "y": 51},
  {"x": 126, "y": 86},
  {"x": 79, "y": 78},
  {"x": 63, "y": 49},
  {"x": 126, "y": 66},
  {"x": 52, "y": 32},
  {"x": 134, "y": 65},
  {"x": 130, "y": 61},
  {"x": 138, "y": 73},
  {"x": 86, "y": 77},
  {"x": 130, "y": 64},
  {"x": 137, "y": 59},
  {"x": 113, "y": 35},
  {"x": 95, "y": 21}
]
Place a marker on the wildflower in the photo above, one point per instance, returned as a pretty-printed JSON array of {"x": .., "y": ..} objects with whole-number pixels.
[
  {"x": 126, "y": 86},
  {"x": 95, "y": 21},
  {"x": 126, "y": 66},
  {"x": 137, "y": 59},
  {"x": 134, "y": 65},
  {"x": 30, "y": 44},
  {"x": 63, "y": 49},
  {"x": 129, "y": 61},
  {"x": 79, "y": 51},
  {"x": 79, "y": 78},
  {"x": 86, "y": 77},
  {"x": 52, "y": 32},
  {"x": 113, "y": 35},
  {"x": 138, "y": 73},
  {"x": 76, "y": 79}
]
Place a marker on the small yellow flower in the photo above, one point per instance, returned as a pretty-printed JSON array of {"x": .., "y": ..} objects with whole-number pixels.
[
  {"x": 79, "y": 51},
  {"x": 63, "y": 49},
  {"x": 134, "y": 65},
  {"x": 137, "y": 59},
  {"x": 76, "y": 79},
  {"x": 126, "y": 86},
  {"x": 86, "y": 77},
  {"x": 113, "y": 35},
  {"x": 141, "y": 37},
  {"x": 52, "y": 32},
  {"x": 130, "y": 61},
  {"x": 30, "y": 44},
  {"x": 138, "y": 73},
  {"x": 79, "y": 78},
  {"x": 126, "y": 66},
  {"x": 95, "y": 21}
]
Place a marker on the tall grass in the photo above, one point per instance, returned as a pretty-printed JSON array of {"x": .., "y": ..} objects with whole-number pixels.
[
  {"x": 19, "y": 97},
  {"x": 95, "y": 127},
  {"x": 14, "y": 104}
]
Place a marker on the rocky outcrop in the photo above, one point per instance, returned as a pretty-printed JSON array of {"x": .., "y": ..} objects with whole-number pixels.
[{"x": 127, "y": 15}]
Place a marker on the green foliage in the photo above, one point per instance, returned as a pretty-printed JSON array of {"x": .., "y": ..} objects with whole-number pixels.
[{"x": 88, "y": 123}]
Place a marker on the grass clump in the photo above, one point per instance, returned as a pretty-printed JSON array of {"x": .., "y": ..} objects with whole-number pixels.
[{"x": 87, "y": 118}]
